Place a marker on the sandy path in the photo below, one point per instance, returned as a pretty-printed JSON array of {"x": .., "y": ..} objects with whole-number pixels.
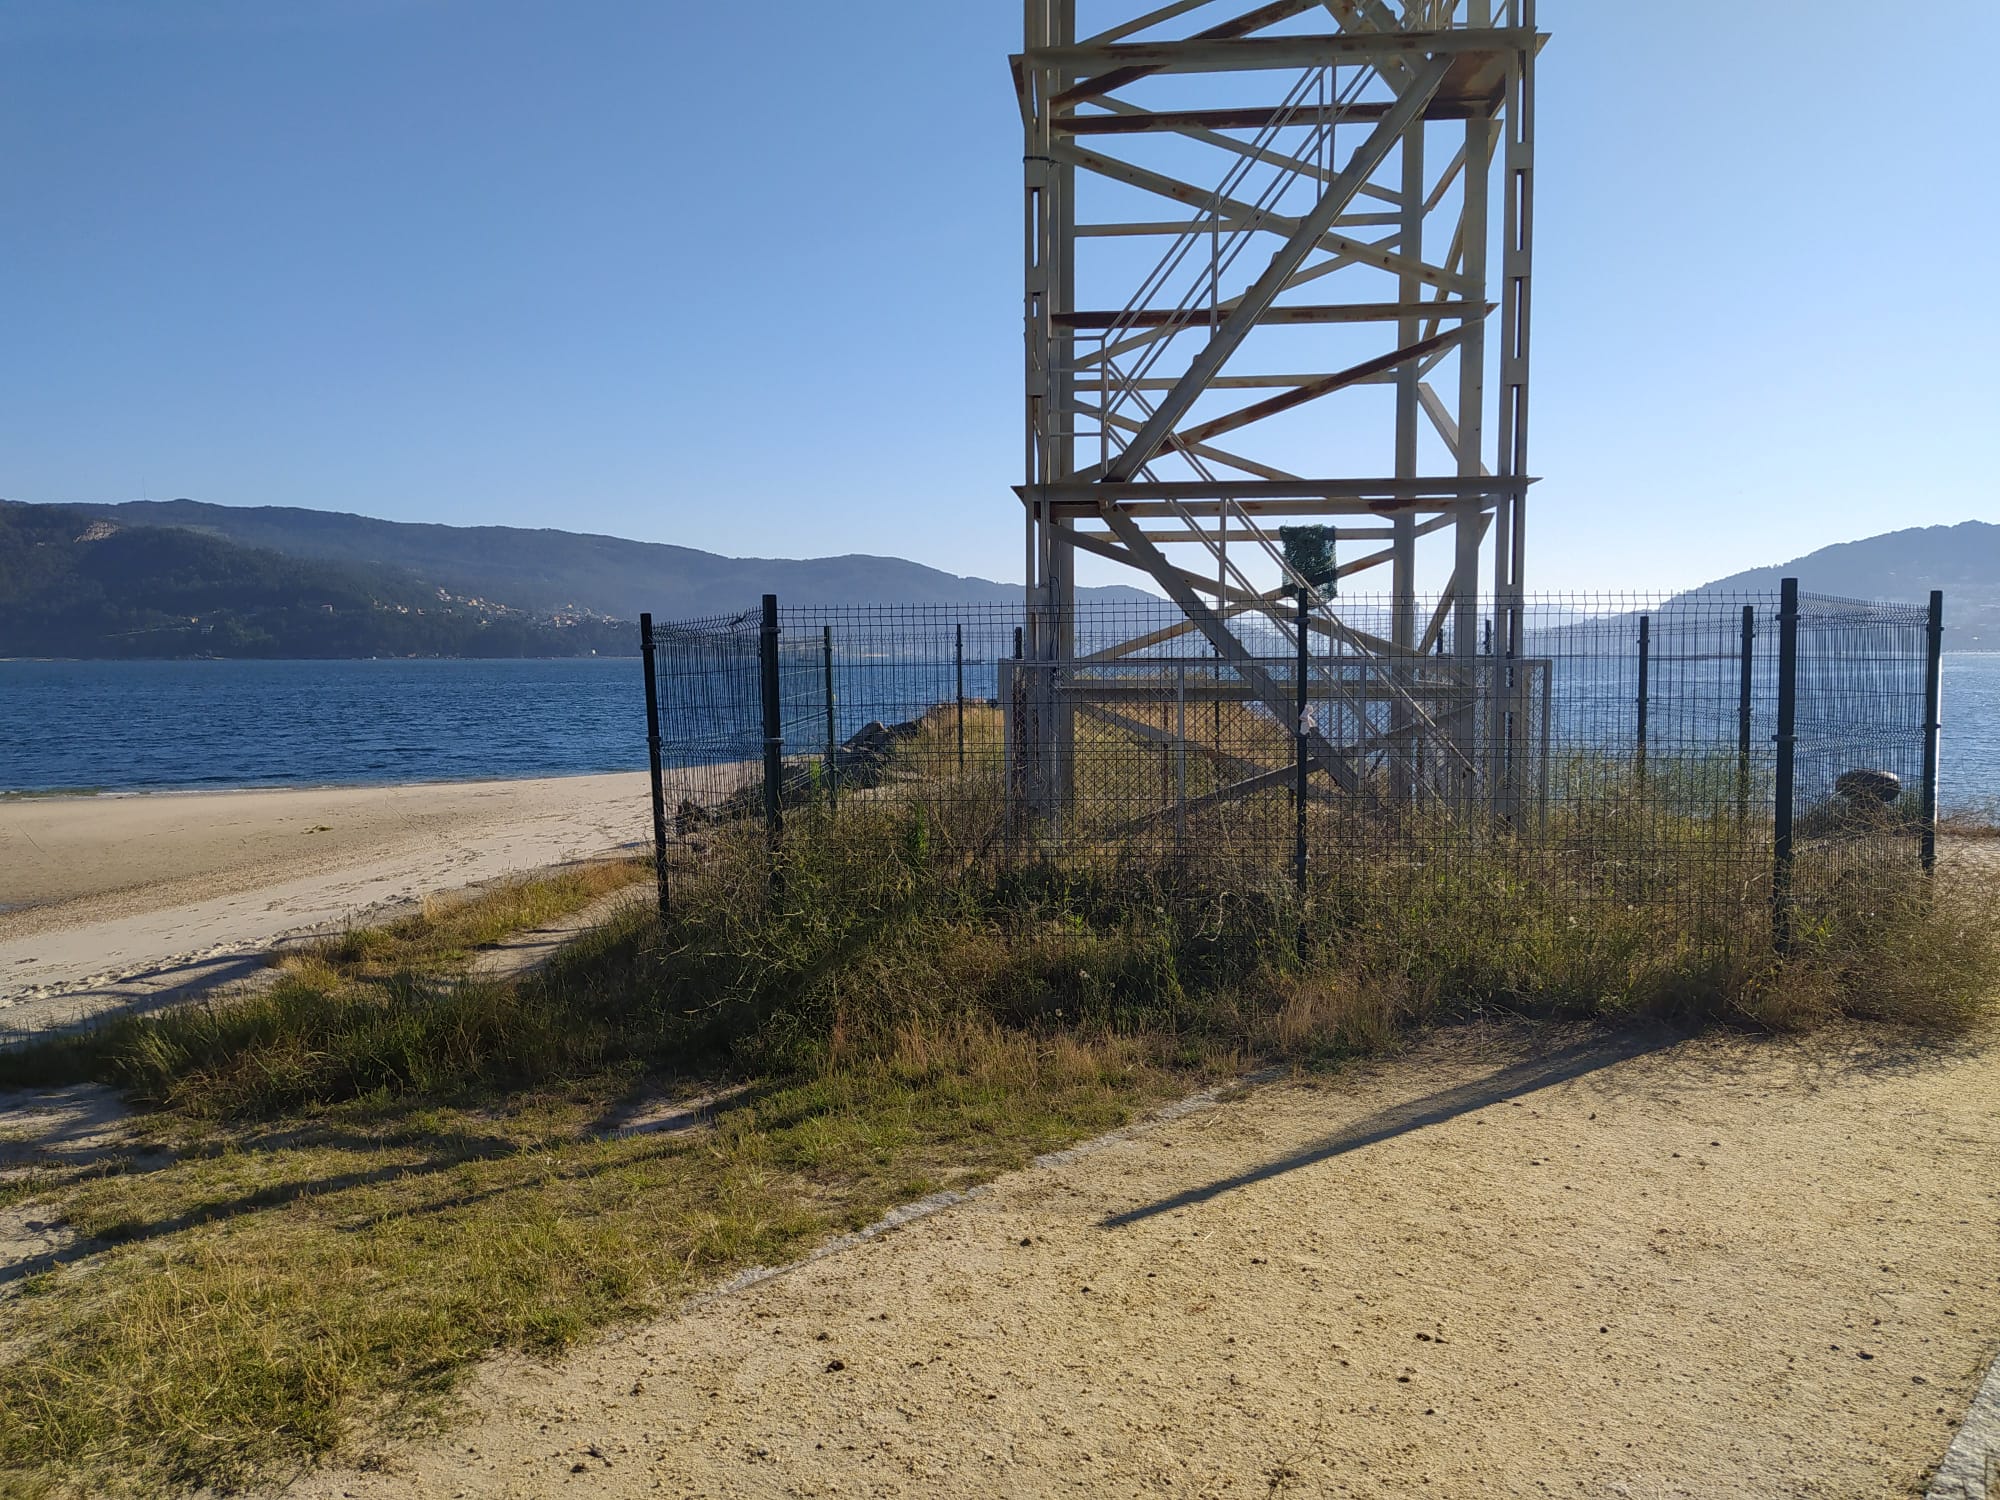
[
  {"x": 521, "y": 953},
  {"x": 1714, "y": 1269},
  {"x": 129, "y": 900}
]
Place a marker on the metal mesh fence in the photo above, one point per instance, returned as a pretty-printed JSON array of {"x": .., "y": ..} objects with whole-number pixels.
[
  {"x": 707, "y": 723},
  {"x": 1863, "y": 785},
  {"x": 1626, "y": 753}
]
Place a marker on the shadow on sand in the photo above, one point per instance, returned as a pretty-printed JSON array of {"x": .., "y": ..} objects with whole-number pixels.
[{"x": 1512, "y": 1081}]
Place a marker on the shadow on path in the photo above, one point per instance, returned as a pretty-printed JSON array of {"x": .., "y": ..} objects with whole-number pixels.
[{"x": 1523, "y": 1077}]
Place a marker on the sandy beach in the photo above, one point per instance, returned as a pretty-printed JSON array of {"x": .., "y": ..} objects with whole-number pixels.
[{"x": 116, "y": 902}]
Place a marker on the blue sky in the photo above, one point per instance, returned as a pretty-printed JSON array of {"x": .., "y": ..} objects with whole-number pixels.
[{"x": 747, "y": 278}]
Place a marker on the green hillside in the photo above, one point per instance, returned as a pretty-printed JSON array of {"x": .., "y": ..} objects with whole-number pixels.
[
  {"x": 74, "y": 585},
  {"x": 560, "y": 570}
]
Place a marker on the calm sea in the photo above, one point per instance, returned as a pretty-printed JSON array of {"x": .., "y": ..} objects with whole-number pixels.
[
  {"x": 122, "y": 726},
  {"x": 1970, "y": 773},
  {"x": 119, "y": 726}
]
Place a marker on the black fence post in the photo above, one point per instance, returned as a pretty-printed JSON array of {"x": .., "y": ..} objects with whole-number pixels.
[
  {"x": 774, "y": 723},
  {"x": 647, "y": 650},
  {"x": 1301, "y": 670},
  {"x": 1216, "y": 706},
  {"x": 958, "y": 660},
  {"x": 1787, "y": 740},
  {"x": 1645, "y": 688},
  {"x": 832, "y": 730},
  {"x": 1933, "y": 724},
  {"x": 1743, "y": 700}
]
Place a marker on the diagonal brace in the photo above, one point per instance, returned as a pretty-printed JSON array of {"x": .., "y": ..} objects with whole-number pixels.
[
  {"x": 1337, "y": 765},
  {"x": 1289, "y": 257}
]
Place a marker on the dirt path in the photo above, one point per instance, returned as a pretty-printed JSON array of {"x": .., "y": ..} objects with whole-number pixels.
[
  {"x": 1712, "y": 1268},
  {"x": 521, "y": 953},
  {"x": 82, "y": 1125}
]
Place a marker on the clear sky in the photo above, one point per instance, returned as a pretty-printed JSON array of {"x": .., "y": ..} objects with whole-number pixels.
[{"x": 747, "y": 278}]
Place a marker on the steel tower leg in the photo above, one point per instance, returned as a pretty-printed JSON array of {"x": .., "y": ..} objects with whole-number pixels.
[{"x": 1287, "y": 182}]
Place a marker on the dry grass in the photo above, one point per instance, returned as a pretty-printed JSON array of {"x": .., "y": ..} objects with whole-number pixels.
[
  {"x": 1896, "y": 949},
  {"x": 376, "y": 1176},
  {"x": 1979, "y": 821},
  {"x": 383, "y": 1174},
  {"x": 446, "y": 929}
]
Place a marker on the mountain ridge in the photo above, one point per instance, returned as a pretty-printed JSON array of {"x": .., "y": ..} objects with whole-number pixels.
[
  {"x": 73, "y": 584},
  {"x": 551, "y": 569},
  {"x": 1904, "y": 565},
  {"x": 526, "y": 579}
]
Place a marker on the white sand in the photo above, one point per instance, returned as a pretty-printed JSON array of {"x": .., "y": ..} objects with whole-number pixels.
[{"x": 134, "y": 901}]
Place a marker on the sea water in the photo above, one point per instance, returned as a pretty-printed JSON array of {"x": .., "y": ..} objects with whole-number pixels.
[
  {"x": 160, "y": 725},
  {"x": 157, "y": 725}
]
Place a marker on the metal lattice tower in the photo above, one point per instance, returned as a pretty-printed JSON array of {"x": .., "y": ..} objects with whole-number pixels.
[{"x": 1260, "y": 293}]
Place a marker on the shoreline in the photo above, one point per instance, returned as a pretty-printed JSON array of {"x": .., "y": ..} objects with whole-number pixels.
[
  {"x": 118, "y": 902},
  {"x": 67, "y": 661},
  {"x": 15, "y": 796}
]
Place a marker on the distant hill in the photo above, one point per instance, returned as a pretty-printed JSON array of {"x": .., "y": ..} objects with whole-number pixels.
[
  {"x": 565, "y": 570},
  {"x": 1963, "y": 560},
  {"x": 74, "y": 584}
]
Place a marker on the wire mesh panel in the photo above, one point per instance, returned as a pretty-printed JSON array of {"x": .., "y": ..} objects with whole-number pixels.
[
  {"x": 1625, "y": 758},
  {"x": 706, "y": 674},
  {"x": 1860, "y": 739}
]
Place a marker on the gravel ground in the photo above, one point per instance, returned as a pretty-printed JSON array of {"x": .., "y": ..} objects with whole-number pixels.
[{"x": 1641, "y": 1268}]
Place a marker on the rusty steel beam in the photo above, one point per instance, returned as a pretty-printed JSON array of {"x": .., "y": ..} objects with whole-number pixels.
[
  {"x": 1126, "y": 62},
  {"x": 1366, "y": 111},
  {"x": 1236, "y": 26},
  {"x": 1346, "y": 312},
  {"x": 1255, "y": 303},
  {"x": 1092, "y": 493},
  {"x": 1325, "y": 386}
]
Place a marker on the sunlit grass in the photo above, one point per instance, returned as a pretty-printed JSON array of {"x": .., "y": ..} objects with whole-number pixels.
[{"x": 382, "y": 1172}]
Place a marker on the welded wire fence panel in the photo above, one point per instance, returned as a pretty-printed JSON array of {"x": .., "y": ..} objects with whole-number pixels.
[
  {"x": 706, "y": 675},
  {"x": 1644, "y": 775},
  {"x": 1860, "y": 735},
  {"x": 897, "y": 716},
  {"x": 1615, "y": 751}
]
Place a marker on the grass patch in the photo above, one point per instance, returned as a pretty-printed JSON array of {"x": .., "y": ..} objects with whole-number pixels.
[
  {"x": 445, "y": 930},
  {"x": 381, "y": 1173},
  {"x": 374, "y": 1176},
  {"x": 274, "y": 1292}
]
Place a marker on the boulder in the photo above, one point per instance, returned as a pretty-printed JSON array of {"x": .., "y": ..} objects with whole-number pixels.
[
  {"x": 1868, "y": 786},
  {"x": 866, "y": 753},
  {"x": 1864, "y": 802}
]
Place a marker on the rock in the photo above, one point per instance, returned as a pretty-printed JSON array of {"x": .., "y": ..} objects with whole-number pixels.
[
  {"x": 863, "y": 757},
  {"x": 1863, "y": 802},
  {"x": 1868, "y": 786},
  {"x": 874, "y": 735}
]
